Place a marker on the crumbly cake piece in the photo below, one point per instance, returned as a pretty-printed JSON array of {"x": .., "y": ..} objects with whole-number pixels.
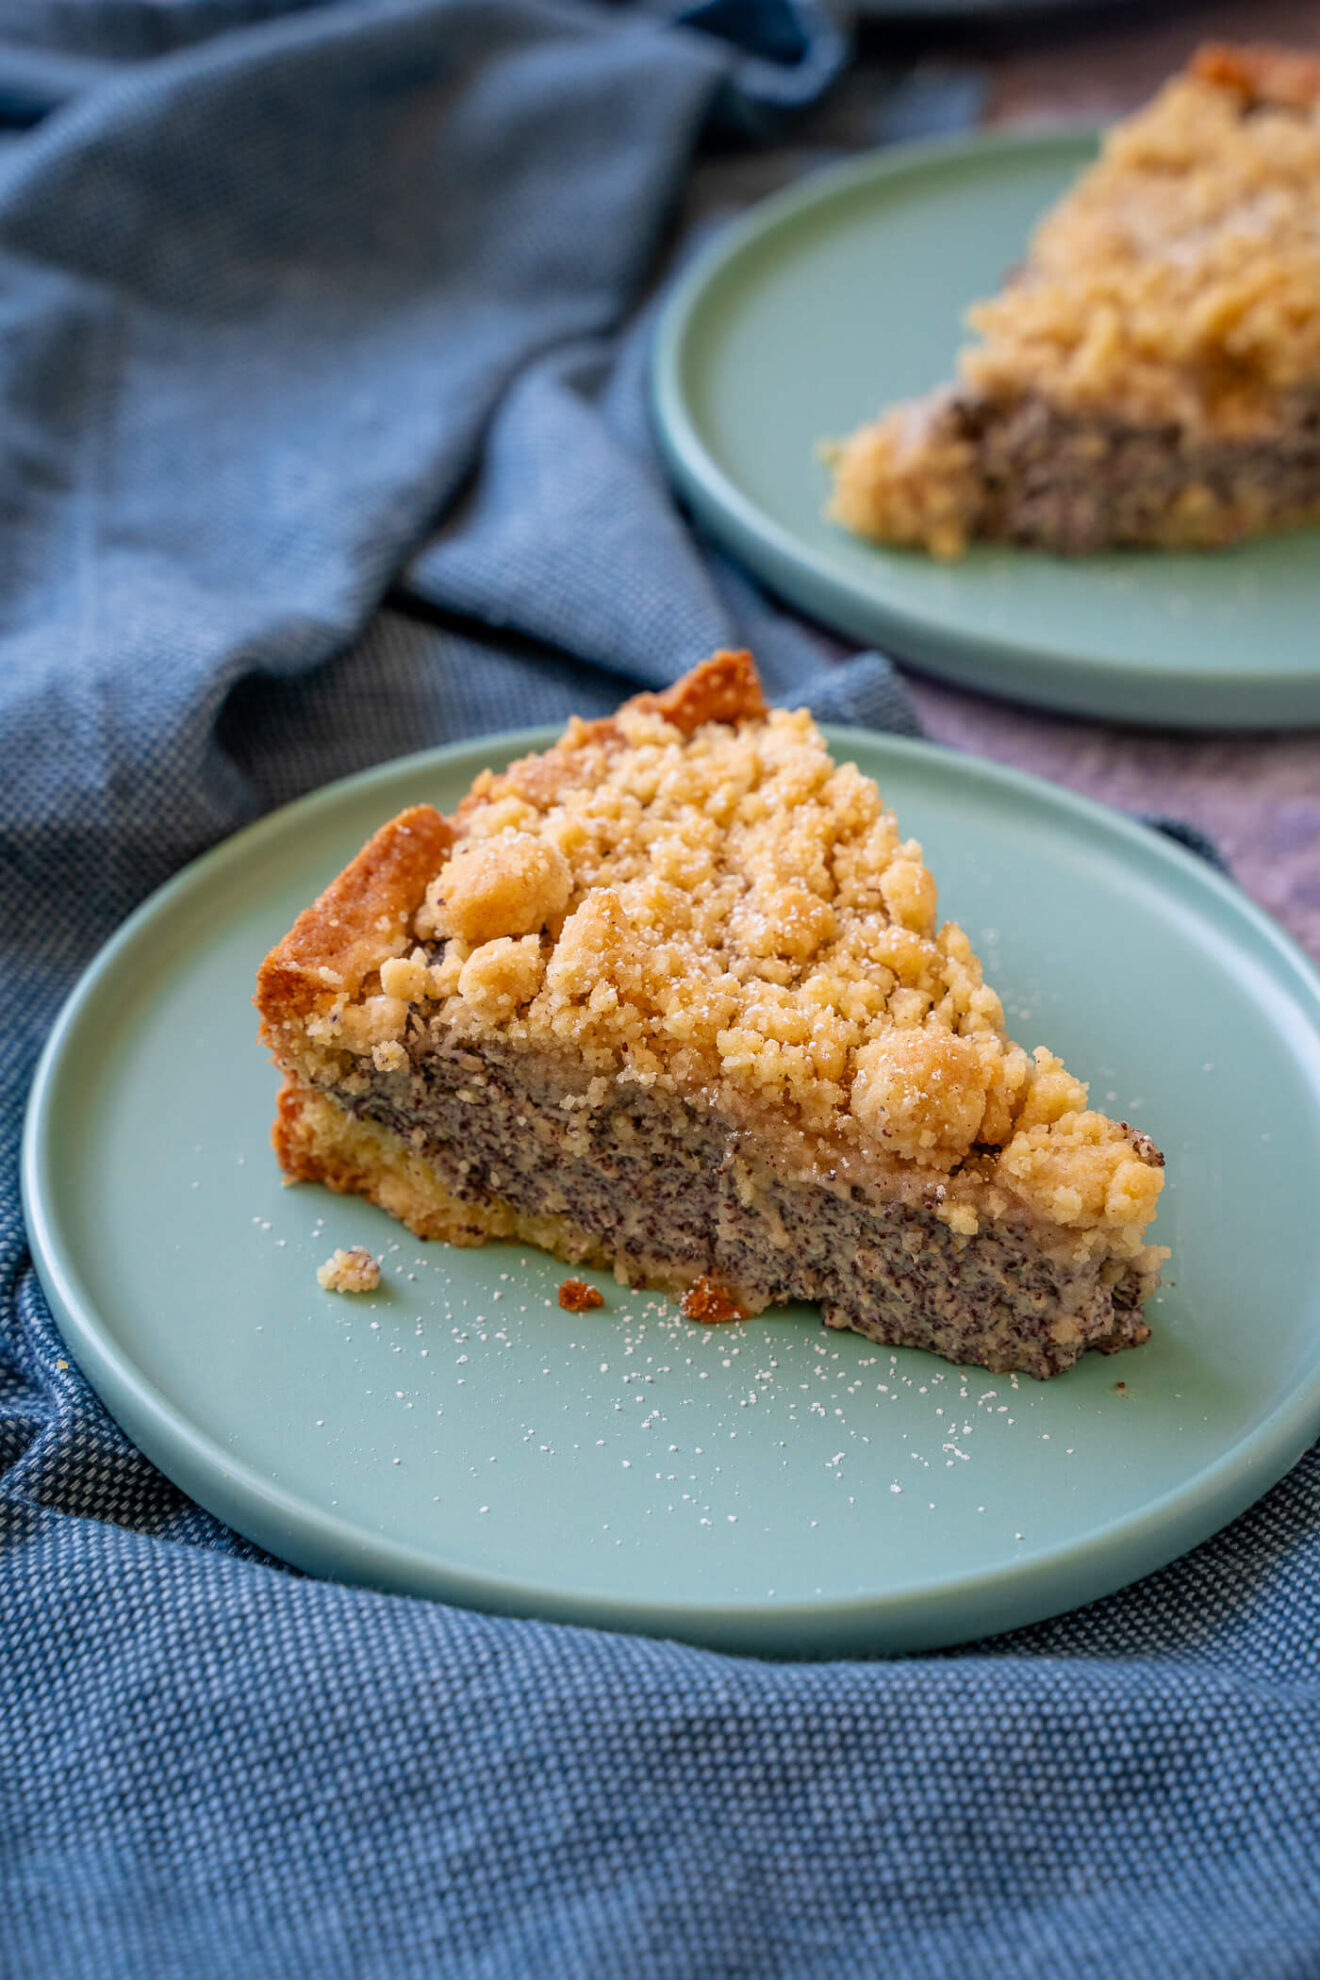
[
  {"x": 576, "y": 1296},
  {"x": 1151, "y": 376},
  {"x": 672, "y": 997},
  {"x": 350, "y": 1269}
]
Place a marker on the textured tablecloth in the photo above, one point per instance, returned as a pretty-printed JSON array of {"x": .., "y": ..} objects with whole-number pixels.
[{"x": 322, "y": 339}]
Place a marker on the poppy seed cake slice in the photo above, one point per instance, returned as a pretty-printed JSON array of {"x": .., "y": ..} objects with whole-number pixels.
[{"x": 671, "y": 997}]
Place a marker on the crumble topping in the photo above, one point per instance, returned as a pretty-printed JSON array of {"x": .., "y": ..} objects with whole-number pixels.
[
  {"x": 351, "y": 1270},
  {"x": 1180, "y": 280},
  {"x": 729, "y": 912}
]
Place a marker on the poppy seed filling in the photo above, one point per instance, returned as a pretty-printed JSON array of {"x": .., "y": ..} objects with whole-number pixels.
[{"x": 668, "y": 1193}]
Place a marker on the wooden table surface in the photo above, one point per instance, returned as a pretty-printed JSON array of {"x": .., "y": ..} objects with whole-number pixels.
[{"x": 1258, "y": 795}]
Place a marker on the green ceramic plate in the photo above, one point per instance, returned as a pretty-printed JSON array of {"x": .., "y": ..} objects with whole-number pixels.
[
  {"x": 767, "y": 1487},
  {"x": 848, "y": 291}
]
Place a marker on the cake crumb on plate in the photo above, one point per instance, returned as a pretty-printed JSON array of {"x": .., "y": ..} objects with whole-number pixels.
[
  {"x": 576, "y": 1296},
  {"x": 351, "y": 1270},
  {"x": 711, "y": 1304}
]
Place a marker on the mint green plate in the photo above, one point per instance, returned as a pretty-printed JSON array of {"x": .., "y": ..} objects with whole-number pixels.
[
  {"x": 766, "y": 1487},
  {"x": 848, "y": 291}
]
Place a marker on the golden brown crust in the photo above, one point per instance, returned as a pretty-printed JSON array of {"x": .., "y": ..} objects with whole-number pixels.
[
  {"x": 338, "y": 941},
  {"x": 725, "y": 688},
  {"x": 1260, "y": 71}
]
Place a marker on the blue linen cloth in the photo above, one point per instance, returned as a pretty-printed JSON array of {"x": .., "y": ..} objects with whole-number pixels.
[{"x": 322, "y": 332}]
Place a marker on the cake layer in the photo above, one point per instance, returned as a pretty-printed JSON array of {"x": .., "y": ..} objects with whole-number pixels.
[
  {"x": 474, "y": 1140},
  {"x": 1028, "y": 472}
]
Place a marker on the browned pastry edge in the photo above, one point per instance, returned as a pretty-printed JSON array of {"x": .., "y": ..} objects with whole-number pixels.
[
  {"x": 725, "y": 688},
  {"x": 1260, "y": 71},
  {"x": 336, "y": 942}
]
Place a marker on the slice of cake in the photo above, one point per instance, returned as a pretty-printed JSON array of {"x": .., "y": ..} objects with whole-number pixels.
[
  {"x": 671, "y": 997},
  {"x": 1151, "y": 376}
]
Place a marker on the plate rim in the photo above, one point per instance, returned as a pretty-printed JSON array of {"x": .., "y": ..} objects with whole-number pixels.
[
  {"x": 805, "y": 576},
  {"x": 897, "y": 1619}
]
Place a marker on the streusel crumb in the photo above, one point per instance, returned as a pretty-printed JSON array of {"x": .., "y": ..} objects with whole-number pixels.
[{"x": 351, "y": 1270}]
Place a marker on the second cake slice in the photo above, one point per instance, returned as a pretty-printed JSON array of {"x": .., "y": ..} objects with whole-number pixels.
[{"x": 1151, "y": 375}]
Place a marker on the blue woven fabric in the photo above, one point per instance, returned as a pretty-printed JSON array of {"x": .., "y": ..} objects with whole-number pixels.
[{"x": 322, "y": 332}]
